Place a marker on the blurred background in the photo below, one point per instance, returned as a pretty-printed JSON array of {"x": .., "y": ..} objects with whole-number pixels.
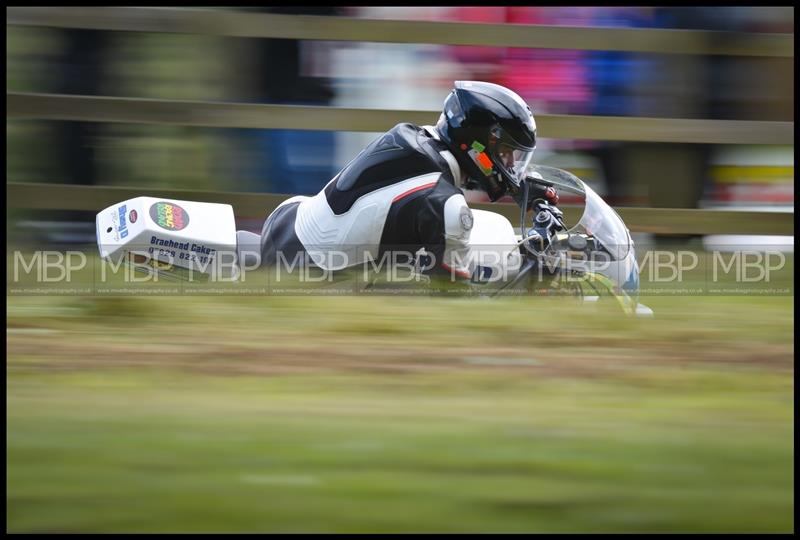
[
  {"x": 406, "y": 77},
  {"x": 271, "y": 413}
]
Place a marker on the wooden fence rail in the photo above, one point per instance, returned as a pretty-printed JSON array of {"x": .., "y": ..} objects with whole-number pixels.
[
  {"x": 246, "y": 115},
  {"x": 232, "y": 23},
  {"x": 652, "y": 220}
]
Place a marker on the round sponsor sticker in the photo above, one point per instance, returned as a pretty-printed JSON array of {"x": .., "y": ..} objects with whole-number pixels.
[
  {"x": 466, "y": 218},
  {"x": 169, "y": 216},
  {"x": 133, "y": 216}
]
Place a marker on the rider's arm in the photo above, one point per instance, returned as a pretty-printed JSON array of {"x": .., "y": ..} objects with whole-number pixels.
[{"x": 456, "y": 257}]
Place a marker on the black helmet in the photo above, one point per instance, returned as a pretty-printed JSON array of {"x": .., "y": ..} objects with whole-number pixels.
[{"x": 492, "y": 133}]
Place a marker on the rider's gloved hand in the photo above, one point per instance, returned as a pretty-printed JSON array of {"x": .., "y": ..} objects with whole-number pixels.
[
  {"x": 541, "y": 197},
  {"x": 551, "y": 195},
  {"x": 538, "y": 190}
]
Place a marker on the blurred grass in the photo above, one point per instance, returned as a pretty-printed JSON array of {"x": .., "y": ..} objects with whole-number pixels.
[{"x": 356, "y": 414}]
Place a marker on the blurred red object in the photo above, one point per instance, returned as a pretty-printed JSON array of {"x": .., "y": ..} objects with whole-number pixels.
[{"x": 555, "y": 77}]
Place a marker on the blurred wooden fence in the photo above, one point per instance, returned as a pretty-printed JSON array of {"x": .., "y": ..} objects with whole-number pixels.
[
  {"x": 247, "y": 115},
  {"x": 267, "y": 25},
  {"x": 652, "y": 220},
  {"x": 244, "y": 24}
]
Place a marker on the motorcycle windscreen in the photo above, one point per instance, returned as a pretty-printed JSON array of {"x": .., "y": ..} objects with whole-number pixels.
[
  {"x": 615, "y": 257},
  {"x": 604, "y": 224},
  {"x": 598, "y": 219}
]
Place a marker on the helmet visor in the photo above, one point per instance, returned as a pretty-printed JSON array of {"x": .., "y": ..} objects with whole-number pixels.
[{"x": 510, "y": 157}]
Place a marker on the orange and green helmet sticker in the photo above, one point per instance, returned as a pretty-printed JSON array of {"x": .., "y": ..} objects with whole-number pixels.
[{"x": 480, "y": 158}]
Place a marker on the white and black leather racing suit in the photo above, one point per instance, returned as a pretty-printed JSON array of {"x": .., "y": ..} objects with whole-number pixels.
[{"x": 399, "y": 195}]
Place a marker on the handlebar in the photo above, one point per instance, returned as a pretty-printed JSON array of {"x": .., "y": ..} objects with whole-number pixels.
[{"x": 548, "y": 219}]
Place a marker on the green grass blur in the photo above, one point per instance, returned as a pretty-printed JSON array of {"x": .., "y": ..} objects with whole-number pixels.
[{"x": 375, "y": 414}]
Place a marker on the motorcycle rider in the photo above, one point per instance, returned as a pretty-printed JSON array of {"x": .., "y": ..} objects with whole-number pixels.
[{"x": 403, "y": 192}]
